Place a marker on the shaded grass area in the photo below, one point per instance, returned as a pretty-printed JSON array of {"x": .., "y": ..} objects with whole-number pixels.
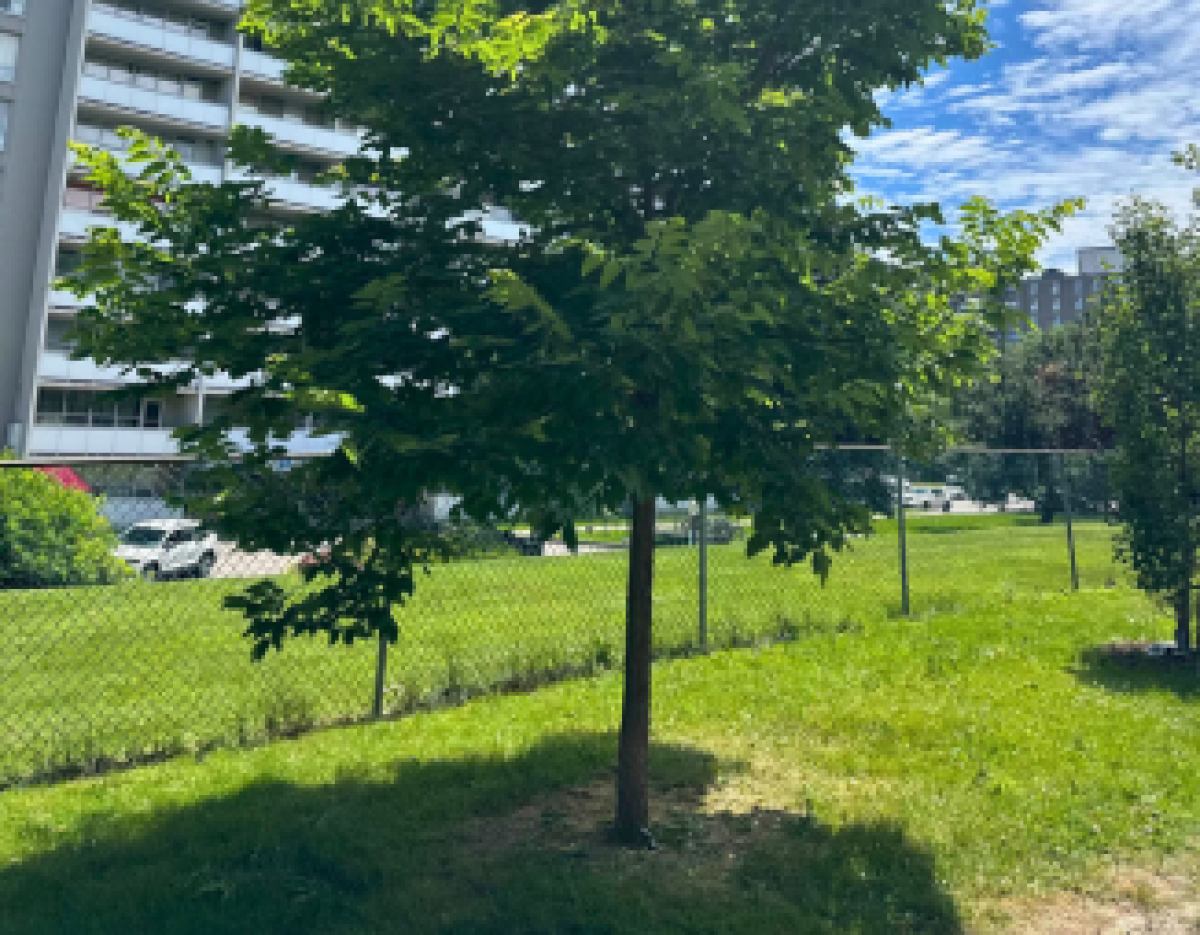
[
  {"x": 900, "y": 777},
  {"x": 102, "y": 675}
]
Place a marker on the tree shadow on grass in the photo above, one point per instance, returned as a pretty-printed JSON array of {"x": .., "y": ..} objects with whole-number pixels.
[
  {"x": 1136, "y": 672},
  {"x": 473, "y": 845}
]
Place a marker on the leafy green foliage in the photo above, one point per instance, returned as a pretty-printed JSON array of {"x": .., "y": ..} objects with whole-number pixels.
[
  {"x": 695, "y": 307},
  {"x": 1150, "y": 331},
  {"x": 52, "y": 536},
  {"x": 694, "y": 310},
  {"x": 1040, "y": 395}
]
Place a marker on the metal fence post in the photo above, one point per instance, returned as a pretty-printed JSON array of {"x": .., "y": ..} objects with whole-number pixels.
[
  {"x": 380, "y": 676},
  {"x": 902, "y": 536},
  {"x": 1066, "y": 484},
  {"x": 704, "y": 574}
]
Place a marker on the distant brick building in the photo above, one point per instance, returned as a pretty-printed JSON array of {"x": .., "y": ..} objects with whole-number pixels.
[{"x": 1056, "y": 298}]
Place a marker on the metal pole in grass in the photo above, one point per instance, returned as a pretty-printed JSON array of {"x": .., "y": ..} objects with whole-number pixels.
[
  {"x": 902, "y": 536},
  {"x": 704, "y": 573},
  {"x": 380, "y": 676},
  {"x": 1066, "y": 485}
]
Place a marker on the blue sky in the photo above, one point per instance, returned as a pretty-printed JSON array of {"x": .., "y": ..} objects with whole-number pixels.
[{"x": 1082, "y": 98}]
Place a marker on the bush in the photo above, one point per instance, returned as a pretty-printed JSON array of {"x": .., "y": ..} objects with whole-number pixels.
[{"x": 52, "y": 536}]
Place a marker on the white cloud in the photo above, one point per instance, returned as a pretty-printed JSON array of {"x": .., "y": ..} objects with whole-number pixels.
[
  {"x": 1096, "y": 113},
  {"x": 1101, "y": 24}
]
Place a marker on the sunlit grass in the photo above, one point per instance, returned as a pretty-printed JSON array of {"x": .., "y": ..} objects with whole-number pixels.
[
  {"x": 879, "y": 774},
  {"x": 121, "y": 672}
]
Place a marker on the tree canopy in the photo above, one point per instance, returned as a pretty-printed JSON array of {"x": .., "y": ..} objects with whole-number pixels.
[
  {"x": 1040, "y": 395},
  {"x": 697, "y": 306},
  {"x": 1150, "y": 393}
]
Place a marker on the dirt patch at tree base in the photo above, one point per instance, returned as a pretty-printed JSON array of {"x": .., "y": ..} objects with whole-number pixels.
[{"x": 706, "y": 833}]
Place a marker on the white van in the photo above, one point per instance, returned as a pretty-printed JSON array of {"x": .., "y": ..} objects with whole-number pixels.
[
  {"x": 168, "y": 548},
  {"x": 918, "y": 497}
]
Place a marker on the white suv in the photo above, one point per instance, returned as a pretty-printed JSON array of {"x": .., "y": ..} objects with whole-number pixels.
[
  {"x": 926, "y": 498},
  {"x": 168, "y": 548}
]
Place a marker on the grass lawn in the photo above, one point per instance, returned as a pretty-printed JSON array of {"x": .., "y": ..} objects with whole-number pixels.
[
  {"x": 117, "y": 673},
  {"x": 954, "y": 771}
]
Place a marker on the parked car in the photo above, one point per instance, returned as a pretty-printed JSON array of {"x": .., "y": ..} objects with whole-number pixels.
[
  {"x": 926, "y": 498},
  {"x": 168, "y": 548}
]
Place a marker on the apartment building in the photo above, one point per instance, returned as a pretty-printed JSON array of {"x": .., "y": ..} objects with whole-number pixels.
[
  {"x": 1057, "y": 298},
  {"x": 78, "y": 70}
]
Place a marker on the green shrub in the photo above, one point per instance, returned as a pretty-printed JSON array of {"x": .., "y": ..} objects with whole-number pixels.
[{"x": 51, "y": 535}]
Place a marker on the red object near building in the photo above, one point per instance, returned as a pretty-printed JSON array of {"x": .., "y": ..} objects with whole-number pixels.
[{"x": 66, "y": 477}]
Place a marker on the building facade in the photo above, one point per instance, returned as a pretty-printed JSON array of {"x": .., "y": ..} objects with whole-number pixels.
[
  {"x": 78, "y": 70},
  {"x": 1057, "y": 298}
]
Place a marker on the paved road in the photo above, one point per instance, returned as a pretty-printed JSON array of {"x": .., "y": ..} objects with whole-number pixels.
[{"x": 233, "y": 563}]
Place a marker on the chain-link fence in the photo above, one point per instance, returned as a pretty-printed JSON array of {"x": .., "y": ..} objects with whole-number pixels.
[{"x": 116, "y": 644}]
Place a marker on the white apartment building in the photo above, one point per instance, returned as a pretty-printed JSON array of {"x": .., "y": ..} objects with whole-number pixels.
[{"x": 77, "y": 70}]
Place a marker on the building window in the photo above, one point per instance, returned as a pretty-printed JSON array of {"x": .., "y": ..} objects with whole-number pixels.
[
  {"x": 3, "y": 124},
  {"x": 181, "y": 24},
  {"x": 1055, "y": 287},
  {"x": 9, "y": 47},
  {"x": 57, "y": 330},
  {"x": 1078, "y": 303},
  {"x": 88, "y": 408},
  {"x": 15, "y": 7},
  {"x": 152, "y": 79},
  {"x": 190, "y": 149},
  {"x": 1056, "y": 304},
  {"x": 84, "y": 199}
]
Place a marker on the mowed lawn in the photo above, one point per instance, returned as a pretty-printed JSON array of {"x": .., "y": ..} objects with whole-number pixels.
[
  {"x": 102, "y": 674},
  {"x": 975, "y": 767}
]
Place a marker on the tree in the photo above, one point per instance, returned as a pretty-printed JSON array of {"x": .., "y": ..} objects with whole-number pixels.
[
  {"x": 52, "y": 535},
  {"x": 1150, "y": 390},
  {"x": 1039, "y": 396},
  {"x": 696, "y": 308}
]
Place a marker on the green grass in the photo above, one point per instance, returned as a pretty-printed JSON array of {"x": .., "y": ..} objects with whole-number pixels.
[
  {"x": 120, "y": 673},
  {"x": 880, "y": 774}
]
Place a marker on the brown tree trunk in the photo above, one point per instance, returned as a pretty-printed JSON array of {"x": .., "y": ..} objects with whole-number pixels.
[
  {"x": 633, "y": 754},
  {"x": 1183, "y": 611}
]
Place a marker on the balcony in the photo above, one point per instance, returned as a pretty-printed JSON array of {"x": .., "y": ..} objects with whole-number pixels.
[
  {"x": 75, "y": 440},
  {"x": 200, "y": 172},
  {"x": 263, "y": 66},
  {"x": 319, "y": 139},
  {"x": 57, "y": 365},
  {"x": 74, "y": 224},
  {"x": 61, "y": 298},
  {"x": 154, "y": 103},
  {"x": 292, "y": 191},
  {"x": 159, "y": 36},
  {"x": 298, "y": 443}
]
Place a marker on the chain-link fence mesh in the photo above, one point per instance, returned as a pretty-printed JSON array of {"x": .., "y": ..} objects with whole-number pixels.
[{"x": 116, "y": 644}]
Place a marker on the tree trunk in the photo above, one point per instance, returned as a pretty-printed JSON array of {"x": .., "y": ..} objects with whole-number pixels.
[
  {"x": 1183, "y": 609},
  {"x": 633, "y": 755}
]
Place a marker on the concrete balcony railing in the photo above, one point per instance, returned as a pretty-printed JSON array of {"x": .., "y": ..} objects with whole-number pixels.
[
  {"x": 262, "y": 66},
  {"x": 154, "y": 34},
  {"x": 292, "y": 191},
  {"x": 318, "y": 139},
  {"x": 57, "y": 365},
  {"x": 78, "y": 440},
  {"x": 74, "y": 224},
  {"x": 61, "y": 298},
  {"x": 154, "y": 103},
  {"x": 200, "y": 172},
  {"x": 298, "y": 443}
]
